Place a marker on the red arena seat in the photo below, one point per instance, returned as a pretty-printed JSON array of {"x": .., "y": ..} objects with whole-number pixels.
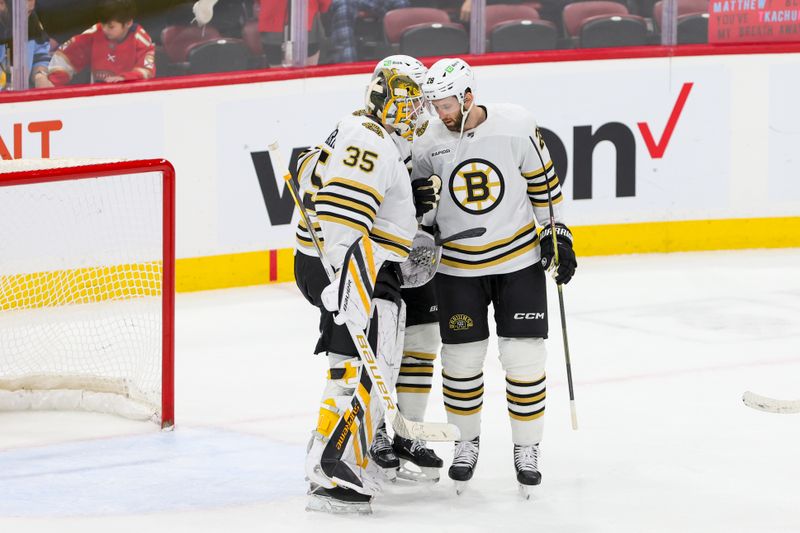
[{"x": 575, "y": 14}]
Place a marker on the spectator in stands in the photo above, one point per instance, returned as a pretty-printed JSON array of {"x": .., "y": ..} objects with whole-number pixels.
[
  {"x": 229, "y": 17},
  {"x": 343, "y": 21},
  {"x": 38, "y": 50},
  {"x": 548, "y": 9},
  {"x": 273, "y": 23},
  {"x": 115, "y": 49}
]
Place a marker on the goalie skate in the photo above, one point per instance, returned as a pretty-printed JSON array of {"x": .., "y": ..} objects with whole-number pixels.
[
  {"x": 338, "y": 500},
  {"x": 417, "y": 462}
]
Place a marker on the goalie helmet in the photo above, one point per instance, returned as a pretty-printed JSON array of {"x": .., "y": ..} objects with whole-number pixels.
[
  {"x": 449, "y": 77},
  {"x": 404, "y": 65},
  {"x": 395, "y": 100}
]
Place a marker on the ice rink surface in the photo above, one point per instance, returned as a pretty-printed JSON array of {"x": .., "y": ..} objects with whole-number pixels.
[{"x": 662, "y": 348}]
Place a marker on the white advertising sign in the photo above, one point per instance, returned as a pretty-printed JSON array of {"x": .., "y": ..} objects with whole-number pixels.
[{"x": 642, "y": 140}]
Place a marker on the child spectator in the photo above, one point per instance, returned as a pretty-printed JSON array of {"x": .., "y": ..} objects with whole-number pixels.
[{"x": 115, "y": 49}]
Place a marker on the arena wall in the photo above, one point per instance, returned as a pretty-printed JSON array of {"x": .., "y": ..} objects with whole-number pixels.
[{"x": 658, "y": 151}]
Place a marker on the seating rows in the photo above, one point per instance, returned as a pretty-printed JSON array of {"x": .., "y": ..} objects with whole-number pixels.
[{"x": 427, "y": 31}]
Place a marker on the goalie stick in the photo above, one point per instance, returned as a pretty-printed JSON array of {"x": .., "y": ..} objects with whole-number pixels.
[
  {"x": 770, "y": 405},
  {"x": 466, "y": 234},
  {"x": 430, "y": 431}
]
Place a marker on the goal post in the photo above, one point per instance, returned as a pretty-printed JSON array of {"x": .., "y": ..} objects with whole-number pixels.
[{"x": 87, "y": 286}]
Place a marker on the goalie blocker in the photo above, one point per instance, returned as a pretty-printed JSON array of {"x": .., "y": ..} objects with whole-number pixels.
[{"x": 315, "y": 286}]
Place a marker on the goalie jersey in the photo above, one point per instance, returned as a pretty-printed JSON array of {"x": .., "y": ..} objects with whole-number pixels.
[
  {"x": 354, "y": 184},
  {"x": 492, "y": 177}
]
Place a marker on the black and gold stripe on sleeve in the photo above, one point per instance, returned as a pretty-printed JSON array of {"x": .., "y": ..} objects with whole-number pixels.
[
  {"x": 393, "y": 243},
  {"x": 539, "y": 181},
  {"x": 303, "y": 236},
  {"x": 348, "y": 202},
  {"x": 493, "y": 253}
]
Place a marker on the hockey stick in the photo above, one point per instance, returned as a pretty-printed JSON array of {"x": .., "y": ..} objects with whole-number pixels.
[
  {"x": 431, "y": 431},
  {"x": 573, "y": 412},
  {"x": 466, "y": 234},
  {"x": 770, "y": 405}
]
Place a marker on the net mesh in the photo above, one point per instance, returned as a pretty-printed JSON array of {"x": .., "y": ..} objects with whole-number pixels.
[{"x": 80, "y": 284}]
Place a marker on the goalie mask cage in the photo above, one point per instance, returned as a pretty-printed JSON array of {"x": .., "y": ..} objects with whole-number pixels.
[{"x": 87, "y": 285}]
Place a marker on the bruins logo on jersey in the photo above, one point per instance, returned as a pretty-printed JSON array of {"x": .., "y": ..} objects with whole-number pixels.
[
  {"x": 360, "y": 113},
  {"x": 422, "y": 129},
  {"x": 460, "y": 322},
  {"x": 371, "y": 126},
  {"x": 477, "y": 186}
]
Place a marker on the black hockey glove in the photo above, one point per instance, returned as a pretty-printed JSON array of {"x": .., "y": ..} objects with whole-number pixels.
[
  {"x": 566, "y": 256},
  {"x": 426, "y": 193}
]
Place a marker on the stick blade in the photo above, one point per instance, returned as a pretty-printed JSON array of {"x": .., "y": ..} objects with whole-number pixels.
[
  {"x": 466, "y": 234},
  {"x": 770, "y": 405},
  {"x": 428, "y": 431}
]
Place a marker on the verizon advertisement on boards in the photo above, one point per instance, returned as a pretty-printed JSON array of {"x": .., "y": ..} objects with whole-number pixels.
[{"x": 634, "y": 140}]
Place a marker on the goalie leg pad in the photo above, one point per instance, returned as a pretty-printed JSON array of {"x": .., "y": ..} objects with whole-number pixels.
[
  {"x": 420, "y": 346},
  {"x": 524, "y": 363},
  {"x": 337, "y": 452},
  {"x": 462, "y": 377},
  {"x": 391, "y": 319}
]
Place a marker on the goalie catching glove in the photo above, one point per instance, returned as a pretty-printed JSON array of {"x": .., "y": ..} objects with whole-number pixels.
[
  {"x": 426, "y": 193},
  {"x": 350, "y": 295},
  {"x": 422, "y": 262},
  {"x": 567, "y": 263}
]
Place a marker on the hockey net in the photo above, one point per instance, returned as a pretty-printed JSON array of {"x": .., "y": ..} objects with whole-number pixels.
[{"x": 87, "y": 286}]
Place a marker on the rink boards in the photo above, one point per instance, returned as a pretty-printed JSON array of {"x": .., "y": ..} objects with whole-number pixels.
[{"x": 656, "y": 154}]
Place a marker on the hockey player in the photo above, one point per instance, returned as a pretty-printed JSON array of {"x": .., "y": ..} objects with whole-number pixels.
[
  {"x": 497, "y": 172},
  {"x": 357, "y": 190},
  {"x": 421, "y": 341}
]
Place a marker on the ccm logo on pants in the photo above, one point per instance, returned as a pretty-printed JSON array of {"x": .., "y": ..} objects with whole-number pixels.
[{"x": 528, "y": 316}]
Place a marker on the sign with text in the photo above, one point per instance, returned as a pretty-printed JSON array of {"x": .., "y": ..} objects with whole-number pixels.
[
  {"x": 633, "y": 141},
  {"x": 737, "y": 21}
]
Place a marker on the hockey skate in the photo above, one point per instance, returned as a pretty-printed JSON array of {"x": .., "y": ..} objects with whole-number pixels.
[
  {"x": 526, "y": 463},
  {"x": 417, "y": 462},
  {"x": 338, "y": 500},
  {"x": 383, "y": 454},
  {"x": 465, "y": 458}
]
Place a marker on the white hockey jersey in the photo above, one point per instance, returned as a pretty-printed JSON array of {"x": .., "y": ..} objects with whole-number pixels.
[
  {"x": 495, "y": 179},
  {"x": 354, "y": 184}
]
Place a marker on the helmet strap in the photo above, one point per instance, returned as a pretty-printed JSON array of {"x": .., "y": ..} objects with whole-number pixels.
[{"x": 464, "y": 114}]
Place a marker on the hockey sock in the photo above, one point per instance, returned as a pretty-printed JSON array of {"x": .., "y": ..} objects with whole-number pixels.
[
  {"x": 462, "y": 376},
  {"x": 526, "y": 408},
  {"x": 416, "y": 371},
  {"x": 524, "y": 361},
  {"x": 463, "y": 400}
]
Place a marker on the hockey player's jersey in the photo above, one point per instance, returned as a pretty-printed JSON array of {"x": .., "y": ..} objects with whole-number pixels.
[
  {"x": 495, "y": 179},
  {"x": 133, "y": 58},
  {"x": 356, "y": 184}
]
